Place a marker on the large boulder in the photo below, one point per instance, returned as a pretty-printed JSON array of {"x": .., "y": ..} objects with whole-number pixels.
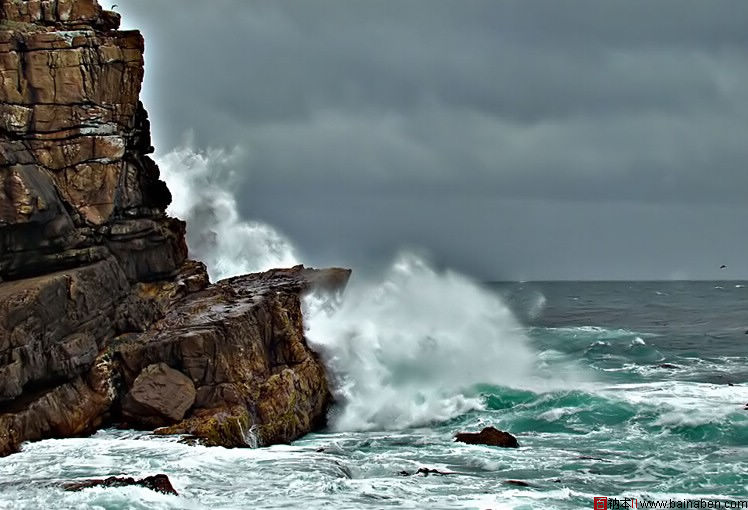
[{"x": 160, "y": 395}]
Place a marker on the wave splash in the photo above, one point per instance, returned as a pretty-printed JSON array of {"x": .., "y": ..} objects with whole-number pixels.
[
  {"x": 402, "y": 352},
  {"x": 216, "y": 233},
  {"x": 406, "y": 351}
]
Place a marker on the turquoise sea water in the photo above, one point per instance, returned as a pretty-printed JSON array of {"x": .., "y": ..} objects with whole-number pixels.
[{"x": 645, "y": 391}]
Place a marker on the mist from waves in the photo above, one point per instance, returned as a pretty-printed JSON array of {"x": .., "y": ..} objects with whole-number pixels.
[
  {"x": 200, "y": 183},
  {"x": 403, "y": 350}
]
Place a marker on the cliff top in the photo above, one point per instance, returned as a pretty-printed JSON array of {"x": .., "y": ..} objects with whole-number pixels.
[{"x": 56, "y": 14}]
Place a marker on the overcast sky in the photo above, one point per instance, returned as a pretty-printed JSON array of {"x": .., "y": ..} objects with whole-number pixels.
[{"x": 514, "y": 139}]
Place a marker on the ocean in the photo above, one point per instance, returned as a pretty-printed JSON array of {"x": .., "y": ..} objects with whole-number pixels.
[{"x": 614, "y": 389}]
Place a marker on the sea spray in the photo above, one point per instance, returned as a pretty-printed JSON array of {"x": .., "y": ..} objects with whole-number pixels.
[
  {"x": 200, "y": 182},
  {"x": 404, "y": 351},
  {"x": 407, "y": 351}
]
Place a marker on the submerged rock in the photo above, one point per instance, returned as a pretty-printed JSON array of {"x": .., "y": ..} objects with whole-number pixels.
[
  {"x": 429, "y": 471},
  {"x": 518, "y": 483},
  {"x": 668, "y": 366},
  {"x": 426, "y": 472},
  {"x": 158, "y": 483},
  {"x": 488, "y": 436}
]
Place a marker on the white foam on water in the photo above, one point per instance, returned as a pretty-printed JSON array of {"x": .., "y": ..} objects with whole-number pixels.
[
  {"x": 682, "y": 403},
  {"x": 597, "y": 332}
]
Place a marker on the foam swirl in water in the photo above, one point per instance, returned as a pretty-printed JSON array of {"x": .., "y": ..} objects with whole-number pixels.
[{"x": 406, "y": 351}]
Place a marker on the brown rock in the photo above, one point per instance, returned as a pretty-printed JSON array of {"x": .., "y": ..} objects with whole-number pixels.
[
  {"x": 277, "y": 386},
  {"x": 57, "y": 374},
  {"x": 158, "y": 483},
  {"x": 160, "y": 395},
  {"x": 488, "y": 436},
  {"x": 101, "y": 314},
  {"x": 73, "y": 145},
  {"x": 51, "y": 325},
  {"x": 227, "y": 426}
]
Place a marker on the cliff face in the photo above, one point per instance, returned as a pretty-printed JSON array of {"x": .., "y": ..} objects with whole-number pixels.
[{"x": 101, "y": 312}]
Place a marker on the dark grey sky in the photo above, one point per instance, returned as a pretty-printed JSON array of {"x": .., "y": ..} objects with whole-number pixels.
[{"x": 515, "y": 139}]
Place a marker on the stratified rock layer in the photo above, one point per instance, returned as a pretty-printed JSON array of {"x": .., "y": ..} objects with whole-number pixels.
[
  {"x": 101, "y": 312},
  {"x": 76, "y": 184}
]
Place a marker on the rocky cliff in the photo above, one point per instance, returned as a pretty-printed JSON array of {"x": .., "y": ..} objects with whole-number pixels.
[{"x": 102, "y": 316}]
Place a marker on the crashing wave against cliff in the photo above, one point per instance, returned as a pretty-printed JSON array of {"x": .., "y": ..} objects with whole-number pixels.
[{"x": 101, "y": 312}]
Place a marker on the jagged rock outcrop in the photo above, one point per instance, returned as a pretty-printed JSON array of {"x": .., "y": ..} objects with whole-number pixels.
[
  {"x": 241, "y": 342},
  {"x": 99, "y": 305}
]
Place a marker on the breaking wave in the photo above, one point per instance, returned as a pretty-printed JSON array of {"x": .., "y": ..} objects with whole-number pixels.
[
  {"x": 408, "y": 351},
  {"x": 403, "y": 351},
  {"x": 216, "y": 233}
]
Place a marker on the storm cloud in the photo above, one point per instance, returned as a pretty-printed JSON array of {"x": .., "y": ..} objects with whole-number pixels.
[{"x": 522, "y": 139}]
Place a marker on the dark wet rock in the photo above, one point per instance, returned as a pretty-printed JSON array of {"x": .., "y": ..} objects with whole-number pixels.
[
  {"x": 158, "y": 483},
  {"x": 518, "y": 483},
  {"x": 426, "y": 472},
  {"x": 488, "y": 436},
  {"x": 668, "y": 366}
]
